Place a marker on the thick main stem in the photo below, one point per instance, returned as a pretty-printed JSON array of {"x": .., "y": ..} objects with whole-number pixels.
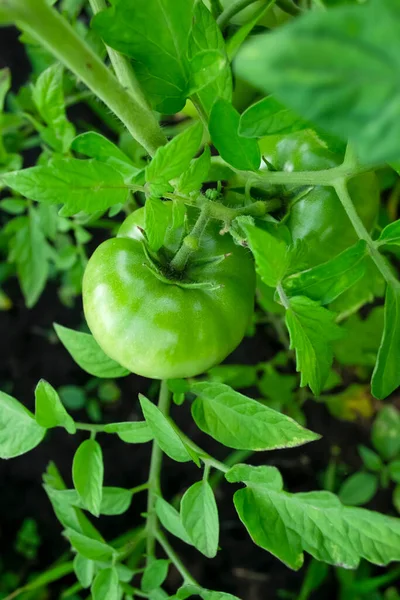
[
  {"x": 52, "y": 31},
  {"x": 122, "y": 68},
  {"x": 154, "y": 478}
]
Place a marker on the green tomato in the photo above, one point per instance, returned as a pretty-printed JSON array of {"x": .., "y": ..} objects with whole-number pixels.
[
  {"x": 164, "y": 325},
  {"x": 316, "y": 217}
]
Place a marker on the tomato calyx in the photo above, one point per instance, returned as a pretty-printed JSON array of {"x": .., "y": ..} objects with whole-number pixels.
[{"x": 163, "y": 271}]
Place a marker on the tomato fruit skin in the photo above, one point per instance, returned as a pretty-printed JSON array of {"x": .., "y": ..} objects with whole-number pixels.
[
  {"x": 317, "y": 218},
  {"x": 162, "y": 328}
]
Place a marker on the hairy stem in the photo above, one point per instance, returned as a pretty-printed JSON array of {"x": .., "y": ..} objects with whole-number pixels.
[
  {"x": 325, "y": 177},
  {"x": 379, "y": 260},
  {"x": 53, "y": 32},
  {"x": 122, "y": 68},
  {"x": 154, "y": 478},
  {"x": 172, "y": 555}
]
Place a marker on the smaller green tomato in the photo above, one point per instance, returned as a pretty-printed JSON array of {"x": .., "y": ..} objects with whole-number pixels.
[
  {"x": 316, "y": 217},
  {"x": 161, "y": 324}
]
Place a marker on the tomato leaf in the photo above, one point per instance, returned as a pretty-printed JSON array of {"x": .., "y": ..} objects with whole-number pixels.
[
  {"x": 133, "y": 432},
  {"x": 326, "y": 282},
  {"x": 358, "y": 489},
  {"x": 192, "y": 179},
  {"x": 361, "y": 340},
  {"x": 386, "y": 375},
  {"x": 106, "y": 585},
  {"x": 286, "y": 524},
  {"x": 164, "y": 433},
  {"x": 155, "y": 34},
  {"x": 30, "y": 252},
  {"x": 170, "y": 519},
  {"x": 242, "y": 423},
  {"x": 95, "y": 145},
  {"x": 89, "y": 547},
  {"x": 157, "y": 221},
  {"x": 48, "y": 96},
  {"x": 386, "y": 432},
  {"x": 19, "y": 432},
  {"x": 199, "y": 514},
  {"x": 241, "y": 153},
  {"x": 154, "y": 575},
  {"x": 50, "y": 411},
  {"x": 390, "y": 234},
  {"x": 173, "y": 159},
  {"x": 114, "y": 500},
  {"x": 87, "y": 474},
  {"x": 312, "y": 329},
  {"x": 269, "y": 117},
  {"x": 84, "y": 570},
  {"x": 87, "y": 353},
  {"x": 271, "y": 253},
  {"x": 206, "y": 36},
  {"x": 81, "y": 185},
  {"x": 321, "y": 65},
  {"x": 371, "y": 459}
]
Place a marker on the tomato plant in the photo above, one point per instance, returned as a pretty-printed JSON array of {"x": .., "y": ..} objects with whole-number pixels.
[{"x": 187, "y": 226}]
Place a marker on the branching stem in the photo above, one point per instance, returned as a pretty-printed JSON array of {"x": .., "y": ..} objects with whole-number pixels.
[
  {"x": 54, "y": 33},
  {"x": 154, "y": 478},
  {"x": 379, "y": 260},
  {"x": 170, "y": 552}
]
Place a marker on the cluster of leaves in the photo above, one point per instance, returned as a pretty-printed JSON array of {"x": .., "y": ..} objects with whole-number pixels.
[{"x": 318, "y": 68}]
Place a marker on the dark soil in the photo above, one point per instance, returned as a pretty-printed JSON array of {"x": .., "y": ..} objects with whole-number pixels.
[{"x": 29, "y": 351}]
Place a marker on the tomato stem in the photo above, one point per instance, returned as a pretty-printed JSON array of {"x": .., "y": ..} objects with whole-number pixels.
[
  {"x": 379, "y": 260},
  {"x": 154, "y": 478},
  {"x": 122, "y": 68},
  {"x": 192, "y": 241},
  {"x": 172, "y": 555},
  {"x": 232, "y": 10},
  {"x": 54, "y": 33}
]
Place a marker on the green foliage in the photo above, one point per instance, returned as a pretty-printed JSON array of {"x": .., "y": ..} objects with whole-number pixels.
[
  {"x": 87, "y": 474},
  {"x": 87, "y": 353},
  {"x": 239, "y": 152},
  {"x": 164, "y": 73},
  {"x": 154, "y": 575},
  {"x": 164, "y": 432},
  {"x": 321, "y": 66},
  {"x": 242, "y": 423},
  {"x": 286, "y": 524},
  {"x": 311, "y": 329},
  {"x": 386, "y": 377},
  {"x": 105, "y": 585},
  {"x": 19, "y": 432},
  {"x": 250, "y": 170},
  {"x": 81, "y": 185},
  {"x": 324, "y": 283},
  {"x": 50, "y": 411},
  {"x": 269, "y": 117},
  {"x": 199, "y": 515},
  {"x": 358, "y": 489}
]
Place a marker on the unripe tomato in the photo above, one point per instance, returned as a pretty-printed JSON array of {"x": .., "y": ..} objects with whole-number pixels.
[
  {"x": 316, "y": 216},
  {"x": 161, "y": 324}
]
